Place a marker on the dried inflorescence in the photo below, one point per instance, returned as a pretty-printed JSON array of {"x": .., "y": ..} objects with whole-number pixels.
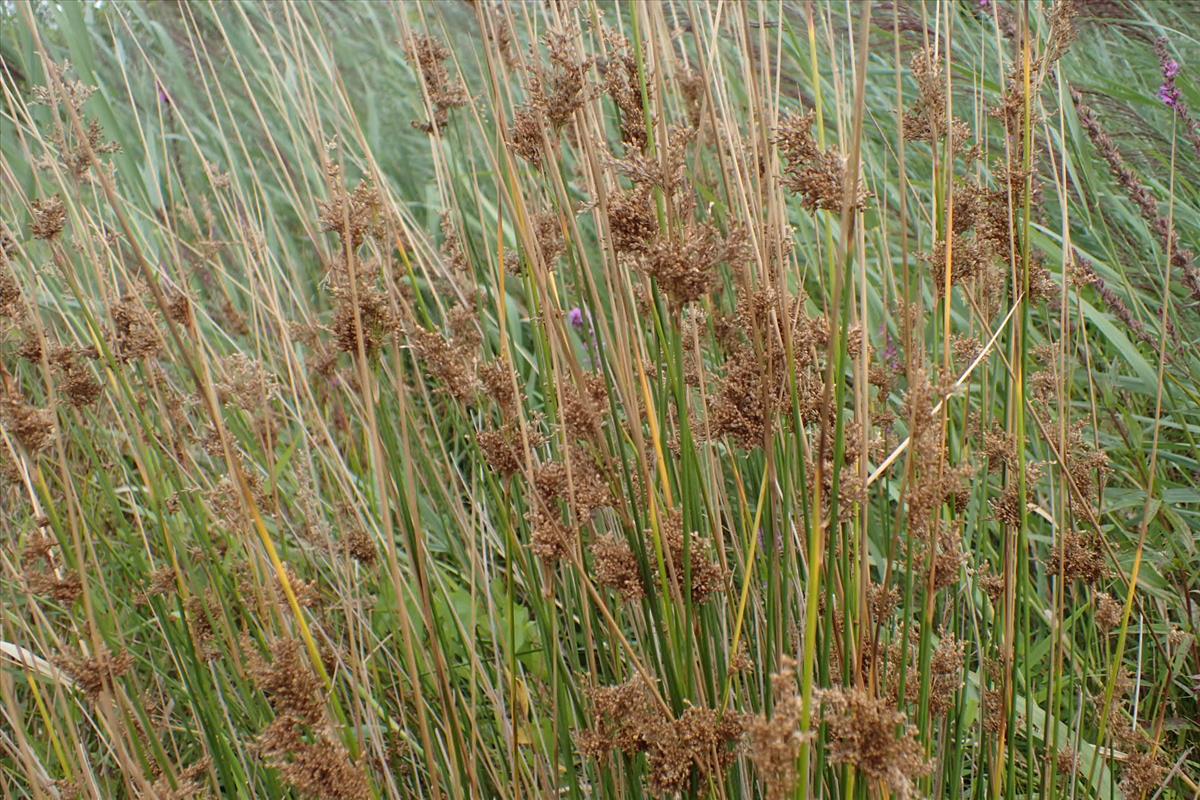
[
  {"x": 551, "y": 540},
  {"x": 616, "y": 567},
  {"x": 1109, "y": 611},
  {"x": 1078, "y": 557},
  {"x": 245, "y": 382},
  {"x": 774, "y": 742},
  {"x": 927, "y": 121},
  {"x": 584, "y": 406},
  {"x": 701, "y": 742},
  {"x": 64, "y": 589},
  {"x": 685, "y": 557},
  {"x": 49, "y": 218},
  {"x": 554, "y": 95},
  {"x": 32, "y": 427},
  {"x": 862, "y": 731},
  {"x": 684, "y": 265},
  {"x": 94, "y": 674},
  {"x": 632, "y": 221},
  {"x": 137, "y": 335},
  {"x": 746, "y": 405},
  {"x": 818, "y": 176},
  {"x": 360, "y": 546},
  {"x": 621, "y": 83},
  {"x": 452, "y": 361},
  {"x": 354, "y": 216},
  {"x": 300, "y": 742},
  {"x": 429, "y": 55},
  {"x": 945, "y": 677}
]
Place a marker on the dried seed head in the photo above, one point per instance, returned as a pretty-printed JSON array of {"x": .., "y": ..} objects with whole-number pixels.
[
  {"x": 32, "y": 427},
  {"x": 95, "y": 673},
  {"x": 551, "y": 540},
  {"x": 926, "y": 121},
  {"x": 360, "y": 546},
  {"x": 616, "y": 567},
  {"x": 429, "y": 55},
  {"x": 136, "y": 334},
  {"x": 49, "y": 218},
  {"x": 773, "y": 743},
  {"x": 818, "y": 176},
  {"x": 862, "y": 732},
  {"x": 1078, "y": 556},
  {"x": 1109, "y": 611},
  {"x": 354, "y": 216}
]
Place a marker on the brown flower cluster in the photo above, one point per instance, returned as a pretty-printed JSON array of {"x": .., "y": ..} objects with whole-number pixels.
[
  {"x": 621, "y": 83},
  {"x": 773, "y": 743},
  {"x": 32, "y": 427},
  {"x": 926, "y": 121},
  {"x": 1078, "y": 557},
  {"x": 49, "y": 218},
  {"x": 750, "y": 396},
  {"x": 945, "y": 672},
  {"x": 95, "y": 673},
  {"x": 818, "y": 176},
  {"x": 554, "y": 95},
  {"x": 616, "y": 566},
  {"x": 135, "y": 331},
  {"x": 698, "y": 745},
  {"x": 863, "y": 732},
  {"x": 429, "y": 55},
  {"x": 300, "y": 742},
  {"x": 685, "y": 557}
]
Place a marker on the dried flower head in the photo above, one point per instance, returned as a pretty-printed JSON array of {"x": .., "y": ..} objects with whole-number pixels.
[
  {"x": 96, "y": 673},
  {"x": 616, "y": 567},
  {"x": 1078, "y": 556},
  {"x": 31, "y": 426},
  {"x": 927, "y": 120},
  {"x": 818, "y": 176},
  {"x": 429, "y": 55},
  {"x": 773, "y": 743},
  {"x": 354, "y": 216},
  {"x": 136, "y": 334},
  {"x": 863, "y": 732},
  {"x": 49, "y": 218}
]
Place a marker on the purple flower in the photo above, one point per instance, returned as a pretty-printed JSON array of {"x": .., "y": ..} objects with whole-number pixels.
[
  {"x": 575, "y": 317},
  {"x": 984, "y": 3},
  {"x": 1170, "y": 69},
  {"x": 1170, "y": 95}
]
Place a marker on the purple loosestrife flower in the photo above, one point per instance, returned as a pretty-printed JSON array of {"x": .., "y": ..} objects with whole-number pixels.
[
  {"x": 575, "y": 317},
  {"x": 1170, "y": 95}
]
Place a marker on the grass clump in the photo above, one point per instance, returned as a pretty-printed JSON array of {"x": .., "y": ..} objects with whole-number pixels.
[{"x": 599, "y": 400}]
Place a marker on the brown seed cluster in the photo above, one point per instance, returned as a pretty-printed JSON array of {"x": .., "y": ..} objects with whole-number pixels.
[
  {"x": 616, "y": 567},
  {"x": 445, "y": 94},
  {"x": 1078, "y": 557},
  {"x": 685, "y": 557},
  {"x": 49, "y": 218},
  {"x": 553, "y": 95},
  {"x": 96, "y": 673},
  {"x": 300, "y": 742},
  {"x": 926, "y": 121},
  {"x": 137, "y": 335},
  {"x": 620, "y": 74},
  {"x": 698, "y": 745},
  {"x": 773, "y": 743},
  {"x": 32, "y": 427},
  {"x": 863, "y": 732},
  {"x": 818, "y": 176}
]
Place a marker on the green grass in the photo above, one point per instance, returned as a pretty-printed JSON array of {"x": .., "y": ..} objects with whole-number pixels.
[{"x": 312, "y": 522}]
